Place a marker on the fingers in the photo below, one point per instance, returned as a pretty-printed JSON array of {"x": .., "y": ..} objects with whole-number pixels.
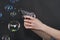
[
  {"x": 28, "y": 22},
  {"x": 28, "y": 25},
  {"x": 28, "y": 17}
]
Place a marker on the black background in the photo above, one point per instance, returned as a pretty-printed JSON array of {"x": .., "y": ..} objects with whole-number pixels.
[{"x": 48, "y": 11}]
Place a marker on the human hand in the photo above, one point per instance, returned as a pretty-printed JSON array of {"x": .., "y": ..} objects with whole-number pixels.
[
  {"x": 36, "y": 25},
  {"x": 32, "y": 23}
]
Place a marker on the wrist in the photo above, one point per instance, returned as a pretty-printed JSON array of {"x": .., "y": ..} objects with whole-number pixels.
[{"x": 44, "y": 28}]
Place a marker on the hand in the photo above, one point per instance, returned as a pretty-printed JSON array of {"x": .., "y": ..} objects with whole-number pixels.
[
  {"x": 32, "y": 23},
  {"x": 36, "y": 25}
]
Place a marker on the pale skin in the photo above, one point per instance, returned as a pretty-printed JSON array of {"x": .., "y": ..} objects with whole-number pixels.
[
  {"x": 42, "y": 34},
  {"x": 40, "y": 28}
]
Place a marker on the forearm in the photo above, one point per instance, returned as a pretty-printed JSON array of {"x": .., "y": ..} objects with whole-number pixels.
[
  {"x": 34, "y": 23},
  {"x": 51, "y": 31},
  {"x": 42, "y": 34}
]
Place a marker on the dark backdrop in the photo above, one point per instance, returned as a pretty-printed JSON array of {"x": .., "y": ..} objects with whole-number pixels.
[{"x": 48, "y": 11}]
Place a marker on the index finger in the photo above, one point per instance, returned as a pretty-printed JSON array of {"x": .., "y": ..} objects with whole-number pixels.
[{"x": 28, "y": 17}]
